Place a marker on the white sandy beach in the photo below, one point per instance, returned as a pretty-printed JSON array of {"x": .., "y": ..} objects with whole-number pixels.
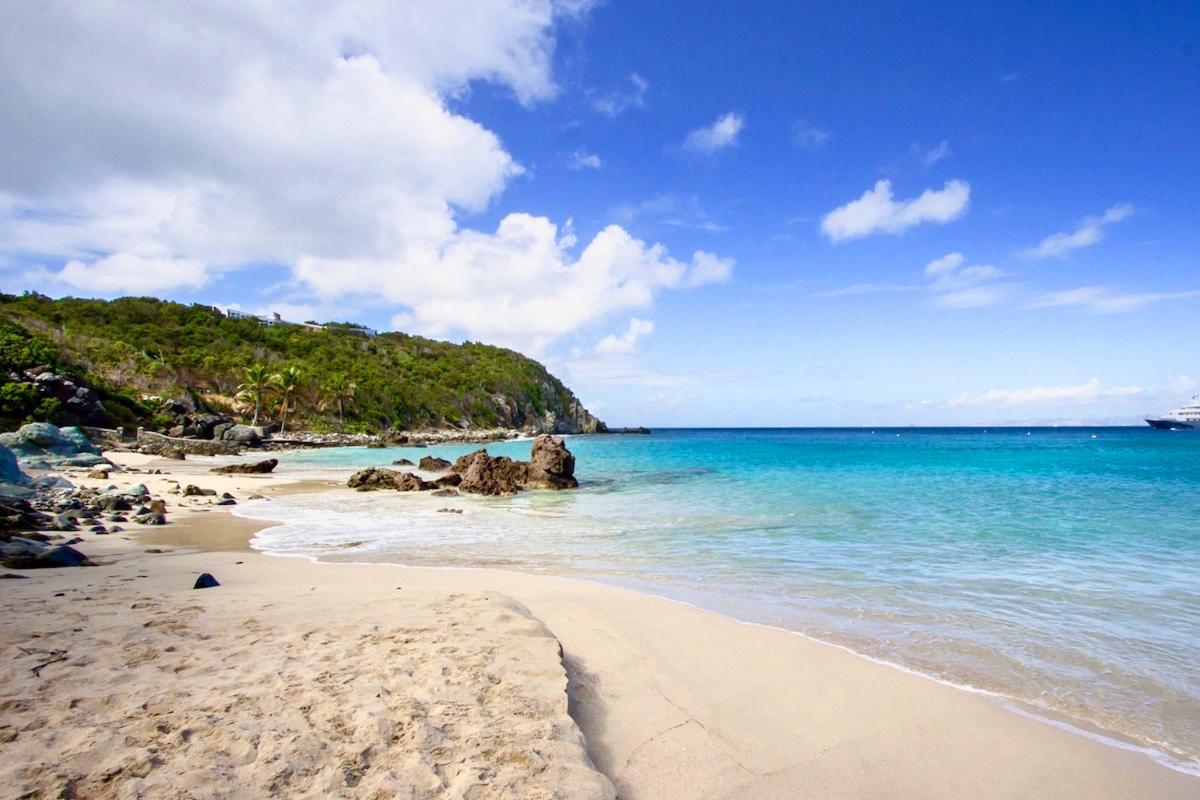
[{"x": 294, "y": 679}]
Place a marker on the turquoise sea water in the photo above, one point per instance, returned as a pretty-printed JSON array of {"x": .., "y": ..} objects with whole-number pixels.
[{"x": 1057, "y": 567}]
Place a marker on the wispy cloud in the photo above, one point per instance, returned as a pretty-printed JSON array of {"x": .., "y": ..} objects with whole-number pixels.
[
  {"x": 616, "y": 102},
  {"x": 808, "y": 136},
  {"x": 867, "y": 288},
  {"x": 1105, "y": 300},
  {"x": 1089, "y": 391},
  {"x": 977, "y": 297},
  {"x": 582, "y": 159},
  {"x": 928, "y": 156},
  {"x": 1089, "y": 231},
  {"x": 947, "y": 263},
  {"x": 722, "y": 133},
  {"x": 958, "y": 287},
  {"x": 877, "y": 211},
  {"x": 676, "y": 211}
]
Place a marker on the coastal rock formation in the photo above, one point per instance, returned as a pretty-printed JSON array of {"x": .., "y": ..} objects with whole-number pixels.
[
  {"x": 257, "y": 468},
  {"x": 10, "y": 470},
  {"x": 408, "y": 482},
  {"x": 491, "y": 475},
  {"x": 373, "y": 479},
  {"x": 40, "y": 445},
  {"x": 551, "y": 465},
  {"x": 434, "y": 464}
]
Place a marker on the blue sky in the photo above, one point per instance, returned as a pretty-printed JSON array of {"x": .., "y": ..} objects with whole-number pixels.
[{"x": 696, "y": 214}]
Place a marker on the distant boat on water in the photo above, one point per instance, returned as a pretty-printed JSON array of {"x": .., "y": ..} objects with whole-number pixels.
[{"x": 1184, "y": 418}]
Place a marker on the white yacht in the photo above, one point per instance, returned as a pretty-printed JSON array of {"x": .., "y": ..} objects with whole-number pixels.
[{"x": 1184, "y": 418}]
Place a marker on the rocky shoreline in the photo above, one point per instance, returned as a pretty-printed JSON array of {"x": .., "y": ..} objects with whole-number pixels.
[{"x": 551, "y": 466}]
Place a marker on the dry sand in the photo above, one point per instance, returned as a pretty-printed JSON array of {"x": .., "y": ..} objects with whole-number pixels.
[{"x": 300, "y": 680}]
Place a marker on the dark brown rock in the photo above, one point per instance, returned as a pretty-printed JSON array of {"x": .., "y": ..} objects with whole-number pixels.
[
  {"x": 450, "y": 479},
  {"x": 257, "y": 468},
  {"x": 490, "y": 475},
  {"x": 434, "y": 464},
  {"x": 551, "y": 465},
  {"x": 408, "y": 482},
  {"x": 373, "y": 479}
]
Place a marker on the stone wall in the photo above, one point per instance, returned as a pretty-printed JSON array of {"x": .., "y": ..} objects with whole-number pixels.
[{"x": 157, "y": 444}]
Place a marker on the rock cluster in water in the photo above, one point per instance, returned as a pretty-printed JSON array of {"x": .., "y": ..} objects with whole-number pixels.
[{"x": 551, "y": 466}]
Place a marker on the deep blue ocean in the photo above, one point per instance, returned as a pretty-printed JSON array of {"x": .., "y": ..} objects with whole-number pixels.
[{"x": 1058, "y": 567}]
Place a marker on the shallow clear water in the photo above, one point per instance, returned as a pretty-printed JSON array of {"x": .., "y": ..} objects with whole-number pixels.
[{"x": 1060, "y": 567}]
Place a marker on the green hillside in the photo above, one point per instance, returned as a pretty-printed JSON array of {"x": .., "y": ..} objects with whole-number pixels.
[{"x": 136, "y": 352}]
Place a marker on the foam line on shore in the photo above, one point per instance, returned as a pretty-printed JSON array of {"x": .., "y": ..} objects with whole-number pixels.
[{"x": 1012, "y": 704}]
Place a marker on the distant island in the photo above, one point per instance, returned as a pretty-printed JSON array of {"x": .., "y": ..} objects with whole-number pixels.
[{"x": 143, "y": 362}]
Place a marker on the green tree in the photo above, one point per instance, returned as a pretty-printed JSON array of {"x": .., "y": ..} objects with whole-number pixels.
[
  {"x": 287, "y": 385},
  {"x": 256, "y": 383},
  {"x": 339, "y": 393}
]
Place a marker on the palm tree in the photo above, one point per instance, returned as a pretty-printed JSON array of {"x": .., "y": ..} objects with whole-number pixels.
[
  {"x": 339, "y": 392},
  {"x": 256, "y": 382},
  {"x": 287, "y": 384}
]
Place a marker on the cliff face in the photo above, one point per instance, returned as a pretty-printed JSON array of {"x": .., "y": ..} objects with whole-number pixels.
[
  {"x": 144, "y": 347},
  {"x": 564, "y": 415}
]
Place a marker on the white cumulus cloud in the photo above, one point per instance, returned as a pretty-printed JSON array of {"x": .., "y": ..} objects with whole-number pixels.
[
  {"x": 626, "y": 342},
  {"x": 877, "y": 210},
  {"x": 527, "y": 286},
  {"x": 216, "y": 137},
  {"x": 722, "y": 133},
  {"x": 1089, "y": 231}
]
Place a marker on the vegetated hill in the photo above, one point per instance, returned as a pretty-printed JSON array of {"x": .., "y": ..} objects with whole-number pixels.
[{"x": 135, "y": 350}]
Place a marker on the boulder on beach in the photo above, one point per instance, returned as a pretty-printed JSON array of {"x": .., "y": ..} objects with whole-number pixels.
[
  {"x": 10, "y": 470},
  {"x": 31, "y": 554},
  {"x": 402, "y": 462},
  {"x": 40, "y": 445},
  {"x": 205, "y": 581},
  {"x": 256, "y": 468},
  {"x": 242, "y": 434}
]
